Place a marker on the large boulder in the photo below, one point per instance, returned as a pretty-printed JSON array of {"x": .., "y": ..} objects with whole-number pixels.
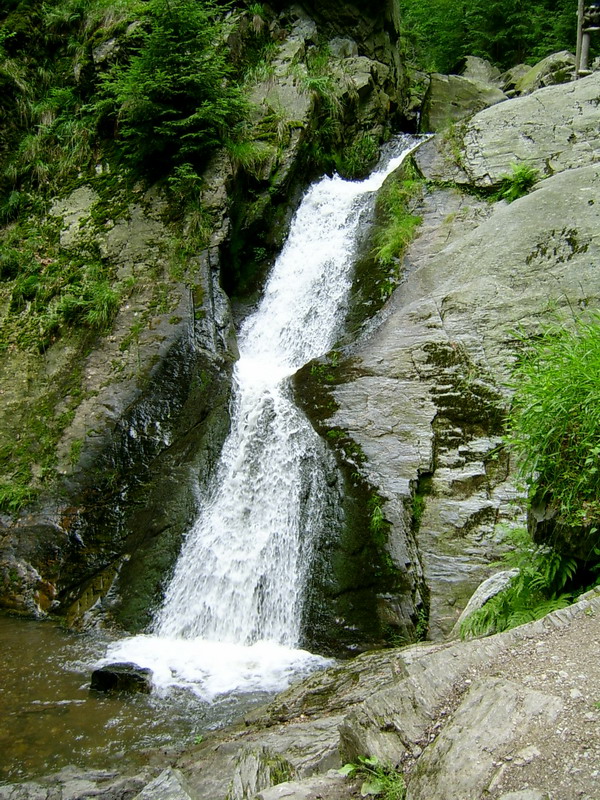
[
  {"x": 555, "y": 68},
  {"x": 451, "y": 98},
  {"x": 479, "y": 69}
]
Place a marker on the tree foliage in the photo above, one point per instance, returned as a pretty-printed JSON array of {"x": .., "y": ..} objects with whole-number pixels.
[
  {"x": 172, "y": 99},
  {"x": 441, "y": 32}
]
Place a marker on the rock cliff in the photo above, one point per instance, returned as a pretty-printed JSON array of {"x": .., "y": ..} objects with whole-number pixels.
[
  {"x": 425, "y": 392},
  {"x": 106, "y": 436}
]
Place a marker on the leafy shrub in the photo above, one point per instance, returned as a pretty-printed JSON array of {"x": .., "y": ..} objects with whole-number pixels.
[
  {"x": 537, "y": 590},
  {"x": 378, "y": 779},
  {"x": 517, "y": 183},
  {"x": 555, "y": 419}
]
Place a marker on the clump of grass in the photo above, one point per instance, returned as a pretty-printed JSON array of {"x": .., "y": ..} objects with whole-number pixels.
[
  {"x": 555, "y": 419},
  {"x": 357, "y": 159},
  {"x": 14, "y": 496},
  {"x": 517, "y": 183},
  {"x": 397, "y": 223}
]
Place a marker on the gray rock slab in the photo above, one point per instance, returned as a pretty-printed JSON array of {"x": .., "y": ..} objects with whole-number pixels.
[
  {"x": 331, "y": 785},
  {"x": 467, "y": 753},
  {"x": 169, "y": 785},
  {"x": 426, "y": 381}
]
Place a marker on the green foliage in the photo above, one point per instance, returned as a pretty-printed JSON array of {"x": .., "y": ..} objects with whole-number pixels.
[
  {"x": 537, "y": 590},
  {"x": 14, "y": 496},
  {"x": 518, "y": 183},
  {"x": 378, "y": 779},
  {"x": 357, "y": 159},
  {"x": 396, "y": 226},
  {"x": 418, "y": 508},
  {"x": 555, "y": 418},
  {"x": 172, "y": 102},
  {"x": 438, "y": 34}
]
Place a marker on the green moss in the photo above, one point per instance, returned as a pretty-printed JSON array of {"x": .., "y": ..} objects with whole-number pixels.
[
  {"x": 28, "y": 460},
  {"x": 379, "y": 270},
  {"x": 396, "y": 225},
  {"x": 467, "y": 397}
]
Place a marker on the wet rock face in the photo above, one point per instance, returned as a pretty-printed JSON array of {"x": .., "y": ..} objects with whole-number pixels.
[
  {"x": 152, "y": 396},
  {"x": 122, "y": 677}
]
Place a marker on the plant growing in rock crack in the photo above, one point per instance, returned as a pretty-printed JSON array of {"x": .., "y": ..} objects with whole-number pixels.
[
  {"x": 378, "y": 779},
  {"x": 517, "y": 183}
]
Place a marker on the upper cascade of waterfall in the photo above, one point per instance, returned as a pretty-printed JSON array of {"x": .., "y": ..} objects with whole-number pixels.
[
  {"x": 239, "y": 584},
  {"x": 306, "y": 292}
]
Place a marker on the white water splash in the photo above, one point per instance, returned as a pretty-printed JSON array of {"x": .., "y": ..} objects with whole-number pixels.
[{"x": 232, "y": 612}]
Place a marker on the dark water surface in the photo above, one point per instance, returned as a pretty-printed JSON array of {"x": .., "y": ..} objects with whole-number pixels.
[{"x": 49, "y": 718}]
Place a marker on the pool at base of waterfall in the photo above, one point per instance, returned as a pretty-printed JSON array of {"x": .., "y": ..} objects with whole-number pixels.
[{"x": 49, "y": 718}]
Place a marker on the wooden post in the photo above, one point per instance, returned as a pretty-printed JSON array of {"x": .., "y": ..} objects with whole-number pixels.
[
  {"x": 579, "y": 37},
  {"x": 585, "y": 52}
]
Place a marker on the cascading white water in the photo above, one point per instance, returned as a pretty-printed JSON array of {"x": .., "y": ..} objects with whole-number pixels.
[{"x": 239, "y": 581}]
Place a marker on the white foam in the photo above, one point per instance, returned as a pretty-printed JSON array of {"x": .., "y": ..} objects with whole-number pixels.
[{"x": 215, "y": 669}]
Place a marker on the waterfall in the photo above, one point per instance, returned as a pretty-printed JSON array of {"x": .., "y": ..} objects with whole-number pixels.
[{"x": 234, "y": 603}]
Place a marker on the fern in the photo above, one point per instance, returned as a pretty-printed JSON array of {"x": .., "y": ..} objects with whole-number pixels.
[{"x": 537, "y": 590}]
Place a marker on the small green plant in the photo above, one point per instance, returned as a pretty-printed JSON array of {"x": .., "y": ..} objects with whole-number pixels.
[
  {"x": 377, "y": 521},
  {"x": 518, "y": 183},
  {"x": 422, "y": 626},
  {"x": 418, "y": 507},
  {"x": 14, "y": 496},
  {"x": 538, "y": 589},
  {"x": 75, "y": 451},
  {"x": 379, "y": 780}
]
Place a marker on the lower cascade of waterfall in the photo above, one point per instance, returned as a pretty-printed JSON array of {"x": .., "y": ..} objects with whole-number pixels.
[{"x": 231, "y": 621}]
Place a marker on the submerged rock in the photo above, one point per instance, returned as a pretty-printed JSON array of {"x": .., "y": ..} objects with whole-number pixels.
[{"x": 122, "y": 677}]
